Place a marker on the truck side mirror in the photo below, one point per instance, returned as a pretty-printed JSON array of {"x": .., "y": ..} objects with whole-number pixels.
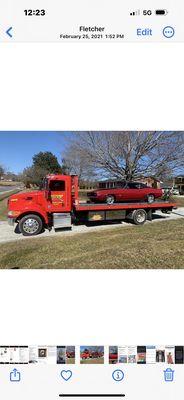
[{"x": 48, "y": 194}]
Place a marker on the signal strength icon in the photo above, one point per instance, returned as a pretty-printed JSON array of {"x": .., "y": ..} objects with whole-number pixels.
[{"x": 135, "y": 13}]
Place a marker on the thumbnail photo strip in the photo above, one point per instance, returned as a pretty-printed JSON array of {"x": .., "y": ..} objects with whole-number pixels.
[
  {"x": 92, "y": 355},
  {"x": 95, "y": 192}
]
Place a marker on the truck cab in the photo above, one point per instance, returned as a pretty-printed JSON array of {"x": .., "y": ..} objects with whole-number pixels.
[{"x": 50, "y": 206}]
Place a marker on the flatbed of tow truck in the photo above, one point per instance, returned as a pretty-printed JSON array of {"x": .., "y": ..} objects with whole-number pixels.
[
  {"x": 156, "y": 205},
  {"x": 135, "y": 212}
]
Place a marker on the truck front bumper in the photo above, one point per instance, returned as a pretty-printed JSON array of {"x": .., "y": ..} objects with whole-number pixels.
[{"x": 11, "y": 221}]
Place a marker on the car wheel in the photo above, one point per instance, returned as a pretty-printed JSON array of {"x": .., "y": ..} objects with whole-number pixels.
[
  {"x": 31, "y": 225},
  {"x": 151, "y": 198},
  {"x": 139, "y": 217},
  {"x": 110, "y": 199}
]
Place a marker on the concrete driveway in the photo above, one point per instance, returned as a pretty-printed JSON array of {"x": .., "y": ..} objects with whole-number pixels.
[{"x": 7, "y": 233}]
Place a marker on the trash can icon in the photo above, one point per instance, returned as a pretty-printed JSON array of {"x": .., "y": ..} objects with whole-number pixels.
[{"x": 169, "y": 375}]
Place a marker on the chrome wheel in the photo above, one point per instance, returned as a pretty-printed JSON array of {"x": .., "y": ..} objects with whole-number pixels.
[
  {"x": 110, "y": 199},
  {"x": 151, "y": 198},
  {"x": 30, "y": 226},
  {"x": 140, "y": 216}
]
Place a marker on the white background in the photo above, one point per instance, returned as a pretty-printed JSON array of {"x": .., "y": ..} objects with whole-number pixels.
[
  {"x": 96, "y": 86},
  {"x": 103, "y": 86},
  {"x": 91, "y": 307}
]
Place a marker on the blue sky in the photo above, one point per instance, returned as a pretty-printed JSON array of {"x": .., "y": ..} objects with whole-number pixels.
[{"x": 18, "y": 148}]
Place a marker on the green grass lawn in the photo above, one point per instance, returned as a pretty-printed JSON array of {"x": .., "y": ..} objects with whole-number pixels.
[
  {"x": 154, "y": 245},
  {"x": 179, "y": 200},
  {"x": 70, "y": 361},
  {"x": 93, "y": 361},
  {"x": 3, "y": 204}
]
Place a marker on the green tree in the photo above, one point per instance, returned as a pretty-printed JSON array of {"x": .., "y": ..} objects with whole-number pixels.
[
  {"x": 47, "y": 161},
  {"x": 43, "y": 163}
]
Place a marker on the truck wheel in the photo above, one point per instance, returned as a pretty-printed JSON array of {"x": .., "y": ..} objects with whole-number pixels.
[
  {"x": 110, "y": 199},
  {"x": 31, "y": 225},
  {"x": 151, "y": 198},
  {"x": 139, "y": 217}
]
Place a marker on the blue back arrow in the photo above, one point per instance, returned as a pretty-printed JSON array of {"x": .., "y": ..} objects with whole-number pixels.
[{"x": 9, "y": 32}]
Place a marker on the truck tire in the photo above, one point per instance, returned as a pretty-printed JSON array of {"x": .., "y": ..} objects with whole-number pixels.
[
  {"x": 151, "y": 198},
  {"x": 30, "y": 225},
  {"x": 110, "y": 199},
  {"x": 139, "y": 216}
]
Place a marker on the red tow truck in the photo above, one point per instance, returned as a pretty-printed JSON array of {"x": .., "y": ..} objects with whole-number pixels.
[
  {"x": 57, "y": 205},
  {"x": 91, "y": 354}
]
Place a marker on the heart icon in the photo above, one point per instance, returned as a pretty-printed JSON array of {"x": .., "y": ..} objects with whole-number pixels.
[{"x": 66, "y": 375}]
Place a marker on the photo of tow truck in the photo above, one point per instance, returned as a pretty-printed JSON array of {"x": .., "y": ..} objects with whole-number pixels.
[
  {"x": 91, "y": 199},
  {"x": 57, "y": 206},
  {"x": 92, "y": 355}
]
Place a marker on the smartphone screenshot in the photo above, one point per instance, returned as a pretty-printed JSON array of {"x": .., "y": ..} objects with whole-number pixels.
[{"x": 91, "y": 199}]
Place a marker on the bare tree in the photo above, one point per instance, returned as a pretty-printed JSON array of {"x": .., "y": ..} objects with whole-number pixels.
[
  {"x": 127, "y": 154},
  {"x": 75, "y": 162}
]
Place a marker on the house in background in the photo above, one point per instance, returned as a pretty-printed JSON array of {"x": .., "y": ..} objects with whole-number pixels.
[
  {"x": 167, "y": 184},
  {"x": 87, "y": 185},
  {"x": 179, "y": 183}
]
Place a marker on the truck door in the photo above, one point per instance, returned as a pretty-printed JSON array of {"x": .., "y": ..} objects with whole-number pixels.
[{"x": 59, "y": 195}]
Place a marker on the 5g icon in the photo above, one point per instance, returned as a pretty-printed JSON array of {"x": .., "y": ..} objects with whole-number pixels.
[{"x": 147, "y": 12}]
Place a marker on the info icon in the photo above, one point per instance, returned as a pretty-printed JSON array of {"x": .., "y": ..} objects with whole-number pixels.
[{"x": 118, "y": 375}]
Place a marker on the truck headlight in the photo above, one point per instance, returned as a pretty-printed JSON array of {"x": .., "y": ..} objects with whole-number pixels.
[
  {"x": 13, "y": 213},
  {"x": 10, "y": 213}
]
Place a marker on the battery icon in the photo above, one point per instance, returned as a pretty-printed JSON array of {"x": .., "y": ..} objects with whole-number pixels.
[{"x": 161, "y": 12}]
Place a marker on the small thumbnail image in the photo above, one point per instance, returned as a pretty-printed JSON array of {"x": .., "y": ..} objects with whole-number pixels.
[
  {"x": 141, "y": 354},
  {"x": 42, "y": 354},
  {"x": 170, "y": 354},
  {"x": 150, "y": 354},
  {"x": 92, "y": 354},
  {"x": 132, "y": 354},
  {"x": 160, "y": 354},
  {"x": 65, "y": 354},
  {"x": 14, "y": 355},
  {"x": 4, "y": 355},
  {"x": 123, "y": 354},
  {"x": 179, "y": 354},
  {"x": 113, "y": 354}
]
